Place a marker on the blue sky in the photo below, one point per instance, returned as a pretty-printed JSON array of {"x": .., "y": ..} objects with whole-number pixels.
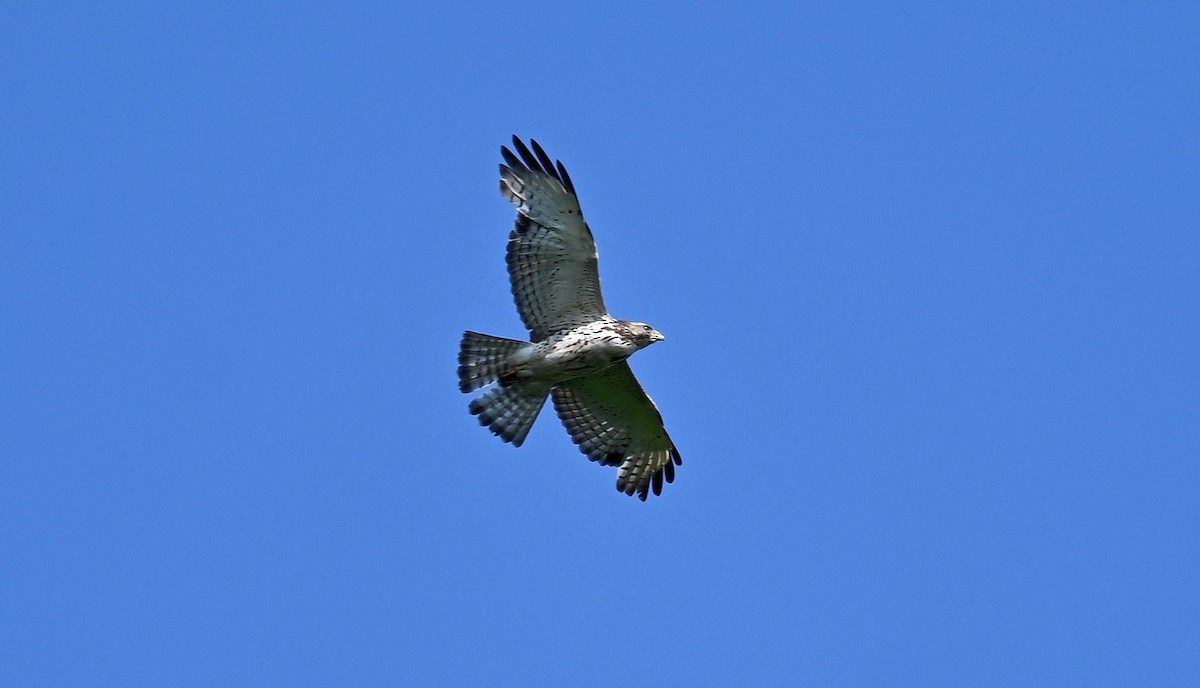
[{"x": 928, "y": 277}]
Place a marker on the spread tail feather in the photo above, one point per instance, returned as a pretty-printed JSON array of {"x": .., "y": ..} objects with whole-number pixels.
[
  {"x": 483, "y": 359},
  {"x": 510, "y": 411}
]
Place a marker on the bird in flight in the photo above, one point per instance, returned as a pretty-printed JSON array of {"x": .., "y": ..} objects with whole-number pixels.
[{"x": 577, "y": 353}]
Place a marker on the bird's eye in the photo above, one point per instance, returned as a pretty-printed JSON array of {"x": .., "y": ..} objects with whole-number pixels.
[{"x": 645, "y": 328}]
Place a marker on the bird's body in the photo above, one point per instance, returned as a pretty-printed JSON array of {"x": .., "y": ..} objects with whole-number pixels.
[
  {"x": 588, "y": 348},
  {"x": 578, "y": 351}
]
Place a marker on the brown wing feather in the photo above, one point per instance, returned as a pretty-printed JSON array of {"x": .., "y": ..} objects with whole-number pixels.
[
  {"x": 552, "y": 260},
  {"x": 614, "y": 422}
]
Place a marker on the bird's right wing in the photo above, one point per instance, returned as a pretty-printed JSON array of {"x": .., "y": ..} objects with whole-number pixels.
[{"x": 614, "y": 422}]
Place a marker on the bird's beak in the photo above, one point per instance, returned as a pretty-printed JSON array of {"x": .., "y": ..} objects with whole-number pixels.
[{"x": 657, "y": 336}]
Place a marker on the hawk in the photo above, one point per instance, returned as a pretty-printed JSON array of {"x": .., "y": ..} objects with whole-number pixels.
[{"x": 577, "y": 353}]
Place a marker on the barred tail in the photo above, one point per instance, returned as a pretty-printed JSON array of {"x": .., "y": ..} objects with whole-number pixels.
[
  {"x": 510, "y": 411},
  {"x": 482, "y": 359}
]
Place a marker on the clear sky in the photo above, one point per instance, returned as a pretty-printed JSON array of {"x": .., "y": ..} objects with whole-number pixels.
[{"x": 928, "y": 277}]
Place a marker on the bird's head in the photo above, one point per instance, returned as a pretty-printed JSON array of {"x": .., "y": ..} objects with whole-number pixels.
[{"x": 644, "y": 335}]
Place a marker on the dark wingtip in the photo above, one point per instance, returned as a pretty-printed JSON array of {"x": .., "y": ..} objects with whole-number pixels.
[
  {"x": 527, "y": 155},
  {"x": 547, "y": 163},
  {"x": 536, "y": 160},
  {"x": 512, "y": 160},
  {"x": 565, "y": 178}
]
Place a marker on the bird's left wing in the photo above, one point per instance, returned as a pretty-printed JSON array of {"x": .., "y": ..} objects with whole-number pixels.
[
  {"x": 614, "y": 422},
  {"x": 552, "y": 261}
]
